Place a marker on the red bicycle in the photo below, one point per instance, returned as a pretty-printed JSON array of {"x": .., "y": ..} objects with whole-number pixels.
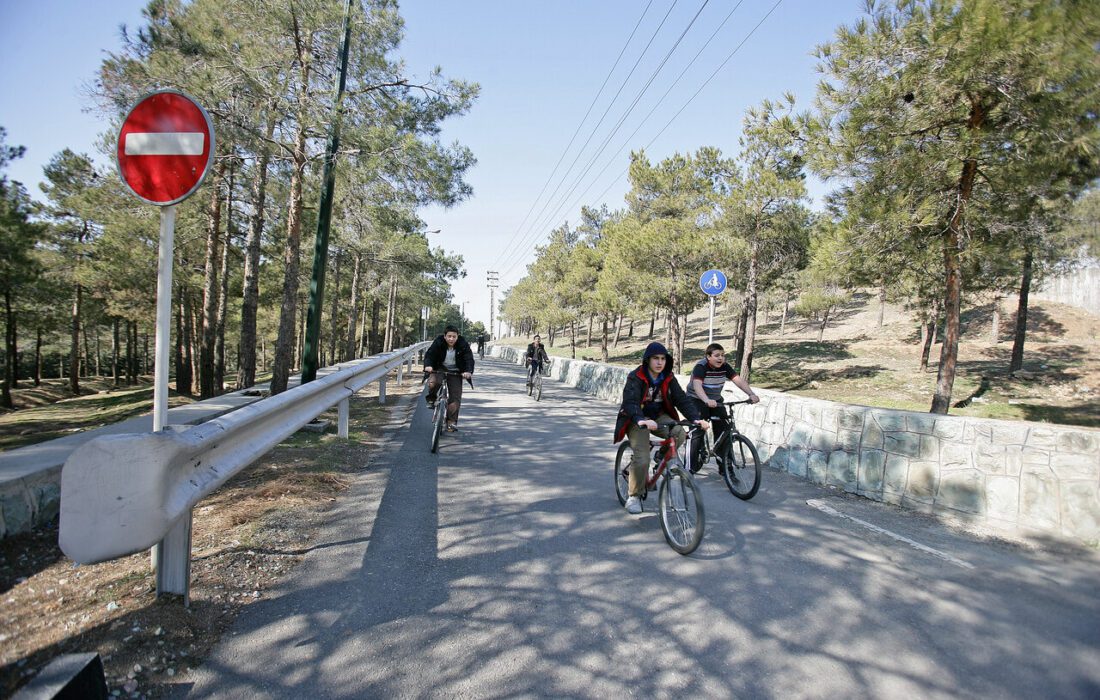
[{"x": 680, "y": 503}]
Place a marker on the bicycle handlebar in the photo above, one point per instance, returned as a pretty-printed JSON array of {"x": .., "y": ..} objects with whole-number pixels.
[{"x": 447, "y": 373}]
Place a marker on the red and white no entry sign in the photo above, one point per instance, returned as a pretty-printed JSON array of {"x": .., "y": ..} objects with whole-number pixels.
[{"x": 165, "y": 147}]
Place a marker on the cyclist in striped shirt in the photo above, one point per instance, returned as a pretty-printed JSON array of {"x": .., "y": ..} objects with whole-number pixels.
[{"x": 708, "y": 377}]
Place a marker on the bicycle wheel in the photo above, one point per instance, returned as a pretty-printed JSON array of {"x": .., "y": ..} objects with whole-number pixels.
[
  {"x": 742, "y": 472},
  {"x": 438, "y": 419},
  {"x": 681, "y": 510},
  {"x": 538, "y": 389},
  {"x": 622, "y": 472}
]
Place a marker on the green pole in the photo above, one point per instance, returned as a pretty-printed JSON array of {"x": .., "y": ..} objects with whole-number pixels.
[{"x": 320, "y": 248}]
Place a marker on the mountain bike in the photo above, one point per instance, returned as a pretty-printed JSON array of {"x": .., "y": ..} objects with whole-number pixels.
[
  {"x": 737, "y": 458},
  {"x": 680, "y": 503},
  {"x": 439, "y": 416},
  {"x": 535, "y": 387}
]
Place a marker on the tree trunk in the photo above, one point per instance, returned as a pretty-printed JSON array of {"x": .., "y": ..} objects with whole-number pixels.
[
  {"x": 652, "y": 322},
  {"x": 335, "y": 313},
  {"x": 824, "y": 322},
  {"x": 952, "y": 303},
  {"x": 750, "y": 314},
  {"x": 573, "y": 339},
  {"x": 210, "y": 287},
  {"x": 9, "y": 352},
  {"x": 928, "y": 333},
  {"x": 246, "y": 369},
  {"x": 129, "y": 353},
  {"x": 353, "y": 307},
  {"x": 630, "y": 333},
  {"x": 185, "y": 377},
  {"x": 995, "y": 325},
  {"x": 588, "y": 339},
  {"x": 376, "y": 310},
  {"x": 38, "y": 357},
  {"x": 284, "y": 345},
  {"x": 618, "y": 330},
  {"x": 391, "y": 310},
  {"x": 603, "y": 339},
  {"x": 742, "y": 322},
  {"x": 1017, "y": 361},
  {"x": 115, "y": 347},
  {"x": 223, "y": 293},
  {"x": 98, "y": 373},
  {"x": 74, "y": 344},
  {"x": 786, "y": 309}
]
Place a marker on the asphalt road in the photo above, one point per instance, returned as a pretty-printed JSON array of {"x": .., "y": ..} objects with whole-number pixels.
[{"x": 503, "y": 566}]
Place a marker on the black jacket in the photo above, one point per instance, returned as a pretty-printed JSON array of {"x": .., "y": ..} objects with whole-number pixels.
[
  {"x": 541, "y": 353},
  {"x": 464, "y": 356},
  {"x": 671, "y": 395}
]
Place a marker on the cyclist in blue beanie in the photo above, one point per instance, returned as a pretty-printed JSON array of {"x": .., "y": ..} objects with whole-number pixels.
[{"x": 650, "y": 399}]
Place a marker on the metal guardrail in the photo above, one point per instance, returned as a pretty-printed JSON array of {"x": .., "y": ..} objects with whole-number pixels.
[{"x": 121, "y": 494}]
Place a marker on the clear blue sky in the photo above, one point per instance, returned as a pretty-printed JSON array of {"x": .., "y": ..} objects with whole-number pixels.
[{"x": 540, "y": 66}]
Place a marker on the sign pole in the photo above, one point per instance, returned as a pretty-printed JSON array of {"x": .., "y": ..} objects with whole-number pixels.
[
  {"x": 164, "y": 317},
  {"x": 710, "y": 335}
]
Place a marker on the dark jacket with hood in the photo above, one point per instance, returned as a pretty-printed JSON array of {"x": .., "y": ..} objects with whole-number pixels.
[
  {"x": 669, "y": 394},
  {"x": 540, "y": 354},
  {"x": 464, "y": 355}
]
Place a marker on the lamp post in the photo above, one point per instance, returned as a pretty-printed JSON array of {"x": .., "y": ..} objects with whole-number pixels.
[{"x": 462, "y": 324}]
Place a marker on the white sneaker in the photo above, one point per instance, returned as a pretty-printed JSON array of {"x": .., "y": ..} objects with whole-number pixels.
[{"x": 634, "y": 505}]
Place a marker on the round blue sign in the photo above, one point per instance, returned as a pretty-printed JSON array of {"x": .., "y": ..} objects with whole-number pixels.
[{"x": 713, "y": 282}]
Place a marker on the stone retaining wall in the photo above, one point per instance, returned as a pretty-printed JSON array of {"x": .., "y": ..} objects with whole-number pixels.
[{"x": 1014, "y": 475}]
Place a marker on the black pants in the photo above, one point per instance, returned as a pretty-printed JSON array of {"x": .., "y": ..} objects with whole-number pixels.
[
  {"x": 719, "y": 424},
  {"x": 532, "y": 367}
]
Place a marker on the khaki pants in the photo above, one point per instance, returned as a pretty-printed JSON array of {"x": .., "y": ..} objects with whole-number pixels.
[
  {"x": 454, "y": 393},
  {"x": 639, "y": 444}
]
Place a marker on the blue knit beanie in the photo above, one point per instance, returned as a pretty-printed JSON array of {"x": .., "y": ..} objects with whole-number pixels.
[{"x": 652, "y": 349}]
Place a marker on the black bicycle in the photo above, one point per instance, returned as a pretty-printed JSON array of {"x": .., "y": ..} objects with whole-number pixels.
[
  {"x": 439, "y": 417},
  {"x": 534, "y": 386},
  {"x": 737, "y": 458}
]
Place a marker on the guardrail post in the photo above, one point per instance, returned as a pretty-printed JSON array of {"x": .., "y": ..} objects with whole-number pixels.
[
  {"x": 400, "y": 373},
  {"x": 344, "y": 409},
  {"x": 382, "y": 390},
  {"x": 172, "y": 561}
]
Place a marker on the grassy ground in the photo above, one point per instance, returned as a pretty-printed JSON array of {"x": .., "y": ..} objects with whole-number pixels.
[{"x": 859, "y": 362}]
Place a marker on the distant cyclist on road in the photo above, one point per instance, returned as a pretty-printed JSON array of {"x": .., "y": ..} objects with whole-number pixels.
[
  {"x": 536, "y": 356},
  {"x": 449, "y": 356},
  {"x": 650, "y": 399}
]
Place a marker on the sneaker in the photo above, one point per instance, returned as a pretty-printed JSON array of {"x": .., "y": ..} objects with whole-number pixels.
[
  {"x": 431, "y": 403},
  {"x": 634, "y": 505},
  {"x": 452, "y": 428}
]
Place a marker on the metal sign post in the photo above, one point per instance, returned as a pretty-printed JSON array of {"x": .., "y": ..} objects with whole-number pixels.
[
  {"x": 164, "y": 151},
  {"x": 713, "y": 283}
]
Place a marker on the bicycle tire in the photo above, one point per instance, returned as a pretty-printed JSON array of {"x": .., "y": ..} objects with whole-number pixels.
[
  {"x": 622, "y": 468},
  {"x": 742, "y": 472},
  {"x": 680, "y": 507},
  {"x": 438, "y": 419},
  {"x": 538, "y": 390}
]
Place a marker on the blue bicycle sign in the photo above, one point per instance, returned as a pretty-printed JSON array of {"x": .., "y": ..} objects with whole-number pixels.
[{"x": 713, "y": 282}]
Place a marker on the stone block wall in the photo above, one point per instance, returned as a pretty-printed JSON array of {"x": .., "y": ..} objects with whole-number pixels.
[
  {"x": 29, "y": 501},
  {"x": 1013, "y": 475}
]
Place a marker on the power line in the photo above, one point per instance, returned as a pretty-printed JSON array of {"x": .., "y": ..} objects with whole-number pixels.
[
  {"x": 593, "y": 133},
  {"x": 581, "y": 124},
  {"x": 680, "y": 111},
  {"x": 541, "y": 221}
]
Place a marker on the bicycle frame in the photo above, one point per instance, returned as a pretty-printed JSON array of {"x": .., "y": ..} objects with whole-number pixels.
[{"x": 670, "y": 452}]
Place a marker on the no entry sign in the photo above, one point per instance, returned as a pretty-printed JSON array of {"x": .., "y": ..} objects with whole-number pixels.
[{"x": 165, "y": 147}]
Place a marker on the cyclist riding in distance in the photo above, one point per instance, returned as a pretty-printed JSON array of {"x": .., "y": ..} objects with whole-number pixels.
[
  {"x": 650, "y": 400},
  {"x": 536, "y": 355},
  {"x": 448, "y": 355},
  {"x": 707, "y": 379}
]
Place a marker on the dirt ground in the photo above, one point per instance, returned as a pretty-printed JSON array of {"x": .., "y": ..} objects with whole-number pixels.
[{"x": 246, "y": 536}]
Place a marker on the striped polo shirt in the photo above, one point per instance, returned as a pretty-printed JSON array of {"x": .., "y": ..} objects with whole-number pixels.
[{"x": 713, "y": 378}]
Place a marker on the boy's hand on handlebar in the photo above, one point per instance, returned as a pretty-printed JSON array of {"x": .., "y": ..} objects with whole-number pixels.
[
  {"x": 467, "y": 375},
  {"x": 711, "y": 403},
  {"x": 704, "y": 424},
  {"x": 429, "y": 370},
  {"x": 753, "y": 398},
  {"x": 650, "y": 424}
]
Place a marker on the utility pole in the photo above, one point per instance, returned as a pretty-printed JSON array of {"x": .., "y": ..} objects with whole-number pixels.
[
  {"x": 493, "y": 282},
  {"x": 320, "y": 249}
]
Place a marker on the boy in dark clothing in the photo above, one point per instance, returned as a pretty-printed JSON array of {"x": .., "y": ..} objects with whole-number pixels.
[
  {"x": 448, "y": 353},
  {"x": 707, "y": 379},
  {"x": 536, "y": 355},
  {"x": 650, "y": 399}
]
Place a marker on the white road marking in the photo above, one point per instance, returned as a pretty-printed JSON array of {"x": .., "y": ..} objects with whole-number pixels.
[
  {"x": 829, "y": 510},
  {"x": 165, "y": 144}
]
